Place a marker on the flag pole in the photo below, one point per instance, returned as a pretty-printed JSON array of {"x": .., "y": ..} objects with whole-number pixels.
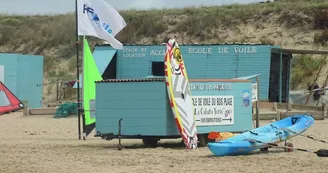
[
  {"x": 78, "y": 72},
  {"x": 83, "y": 116}
]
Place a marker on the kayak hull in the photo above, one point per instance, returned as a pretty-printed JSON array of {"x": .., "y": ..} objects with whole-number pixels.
[{"x": 272, "y": 133}]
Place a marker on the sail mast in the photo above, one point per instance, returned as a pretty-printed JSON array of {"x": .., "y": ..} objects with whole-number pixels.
[{"x": 77, "y": 71}]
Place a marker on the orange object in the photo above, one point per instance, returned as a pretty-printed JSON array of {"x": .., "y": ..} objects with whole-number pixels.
[
  {"x": 214, "y": 135},
  {"x": 220, "y": 136}
]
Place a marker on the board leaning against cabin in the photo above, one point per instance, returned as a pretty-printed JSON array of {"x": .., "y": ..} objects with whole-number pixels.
[{"x": 179, "y": 94}]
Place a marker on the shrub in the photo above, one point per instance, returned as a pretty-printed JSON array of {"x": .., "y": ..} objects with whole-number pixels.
[
  {"x": 304, "y": 69},
  {"x": 321, "y": 38},
  {"x": 321, "y": 18}
]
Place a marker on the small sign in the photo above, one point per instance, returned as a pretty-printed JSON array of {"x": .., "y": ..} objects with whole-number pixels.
[
  {"x": 92, "y": 108},
  {"x": 213, "y": 87},
  {"x": 246, "y": 98},
  {"x": 254, "y": 92},
  {"x": 213, "y": 110}
]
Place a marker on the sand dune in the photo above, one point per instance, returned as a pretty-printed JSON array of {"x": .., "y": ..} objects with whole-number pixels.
[{"x": 47, "y": 145}]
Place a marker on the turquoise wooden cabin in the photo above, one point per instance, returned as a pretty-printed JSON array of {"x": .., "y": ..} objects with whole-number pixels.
[
  {"x": 134, "y": 90},
  {"x": 220, "y": 61},
  {"x": 142, "y": 104},
  {"x": 23, "y": 75}
]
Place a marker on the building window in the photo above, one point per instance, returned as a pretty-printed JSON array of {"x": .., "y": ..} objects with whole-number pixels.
[{"x": 157, "y": 68}]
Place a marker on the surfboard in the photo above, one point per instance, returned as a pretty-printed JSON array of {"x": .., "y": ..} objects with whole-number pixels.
[{"x": 179, "y": 94}]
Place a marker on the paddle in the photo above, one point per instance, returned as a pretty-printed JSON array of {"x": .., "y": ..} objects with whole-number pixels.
[
  {"x": 320, "y": 153},
  {"x": 307, "y": 136}
]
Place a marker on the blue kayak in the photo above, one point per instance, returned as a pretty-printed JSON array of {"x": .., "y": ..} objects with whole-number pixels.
[{"x": 258, "y": 138}]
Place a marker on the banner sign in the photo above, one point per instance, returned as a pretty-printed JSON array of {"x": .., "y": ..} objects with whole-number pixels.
[
  {"x": 254, "y": 92},
  {"x": 213, "y": 110}
]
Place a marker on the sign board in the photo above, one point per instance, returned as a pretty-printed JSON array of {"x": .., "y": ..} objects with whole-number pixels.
[
  {"x": 153, "y": 51},
  {"x": 254, "y": 92},
  {"x": 2, "y": 74},
  {"x": 213, "y": 87},
  {"x": 213, "y": 110}
]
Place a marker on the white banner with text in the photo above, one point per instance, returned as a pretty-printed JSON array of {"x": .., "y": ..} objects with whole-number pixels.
[
  {"x": 254, "y": 92},
  {"x": 213, "y": 110}
]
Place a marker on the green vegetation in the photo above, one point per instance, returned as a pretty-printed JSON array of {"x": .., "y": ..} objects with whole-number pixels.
[
  {"x": 54, "y": 36},
  {"x": 304, "y": 70}
]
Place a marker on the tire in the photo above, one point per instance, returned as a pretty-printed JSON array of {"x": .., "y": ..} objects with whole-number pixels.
[
  {"x": 202, "y": 140},
  {"x": 266, "y": 149},
  {"x": 150, "y": 142},
  {"x": 288, "y": 144}
]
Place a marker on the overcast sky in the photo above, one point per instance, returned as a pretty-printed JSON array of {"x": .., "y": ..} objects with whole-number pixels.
[{"x": 65, "y": 6}]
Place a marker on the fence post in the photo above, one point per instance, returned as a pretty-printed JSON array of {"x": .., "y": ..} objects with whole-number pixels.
[
  {"x": 257, "y": 103},
  {"x": 57, "y": 87}
]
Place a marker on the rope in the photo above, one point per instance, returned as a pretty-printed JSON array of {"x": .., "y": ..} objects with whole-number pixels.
[
  {"x": 66, "y": 109},
  {"x": 319, "y": 153}
]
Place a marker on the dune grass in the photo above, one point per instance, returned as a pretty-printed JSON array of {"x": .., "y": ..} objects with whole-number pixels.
[
  {"x": 54, "y": 35},
  {"x": 304, "y": 70}
]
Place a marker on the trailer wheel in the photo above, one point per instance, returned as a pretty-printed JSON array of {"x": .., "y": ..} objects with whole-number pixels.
[
  {"x": 150, "y": 142},
  {"x": 288, "y": 144},
  {"x": 203, "y": 140},
  {"x": 266, "y": 149}
]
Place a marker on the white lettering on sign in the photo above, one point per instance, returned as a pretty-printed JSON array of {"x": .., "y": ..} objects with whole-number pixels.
[
  {"x": 132, "y": 55},
  {"x": 254, "y": 92},
  {"x": 143, "y": 49},
  {"x": 157, "y": 52},
  {"x": 245, "y": 49},
  {"x": 223, "y": 50},
  {"x": 140, "y": 51},
  {"x": 194, "y": 87},
  {"x": 132, "y": 52},
  {"x": 199, "y": 50},
  {"x": 213, "y": 110},
  {"x": 130, "y": 49}
]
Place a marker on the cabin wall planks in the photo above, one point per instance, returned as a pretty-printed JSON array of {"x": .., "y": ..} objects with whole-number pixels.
[
  {"x": 23, "y": 75},
  {"x": 202, "y": 61},
  {"x": 145, "y": 110}
]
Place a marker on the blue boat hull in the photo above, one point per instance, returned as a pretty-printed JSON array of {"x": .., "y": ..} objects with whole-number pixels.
[{"x": 272, "y": 133}]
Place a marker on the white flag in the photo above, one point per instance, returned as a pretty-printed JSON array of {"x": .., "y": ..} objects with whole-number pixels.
[{"x": 99, "y": 19}]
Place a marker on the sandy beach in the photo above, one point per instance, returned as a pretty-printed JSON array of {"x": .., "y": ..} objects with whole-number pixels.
[{"x": 43, "y": 144}]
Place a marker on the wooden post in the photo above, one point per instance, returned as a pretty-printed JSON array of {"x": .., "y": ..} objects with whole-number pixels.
[
  {"x": 325, "y": 111},
  {"x": 288, "y": 77},
  {"x": 315, "y": 80},
  {"x": 57, "y": 89},
  {"x": 257, "y": 102},
  {"x": 280, "y": 78},
  {"x": 278, "y": 116},
  {"x": 323, "y": 91}
]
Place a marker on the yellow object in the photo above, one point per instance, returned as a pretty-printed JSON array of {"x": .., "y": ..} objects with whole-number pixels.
[
  {"x": 179, "y": 94},
  {"x": 217, "y": 136},
  {"x": 224, "y": 135}
]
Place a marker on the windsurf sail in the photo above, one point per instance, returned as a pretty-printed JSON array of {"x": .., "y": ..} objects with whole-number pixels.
[
  {"x": 90, "y": 75},
  {"x": 8, "y": 101}
]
